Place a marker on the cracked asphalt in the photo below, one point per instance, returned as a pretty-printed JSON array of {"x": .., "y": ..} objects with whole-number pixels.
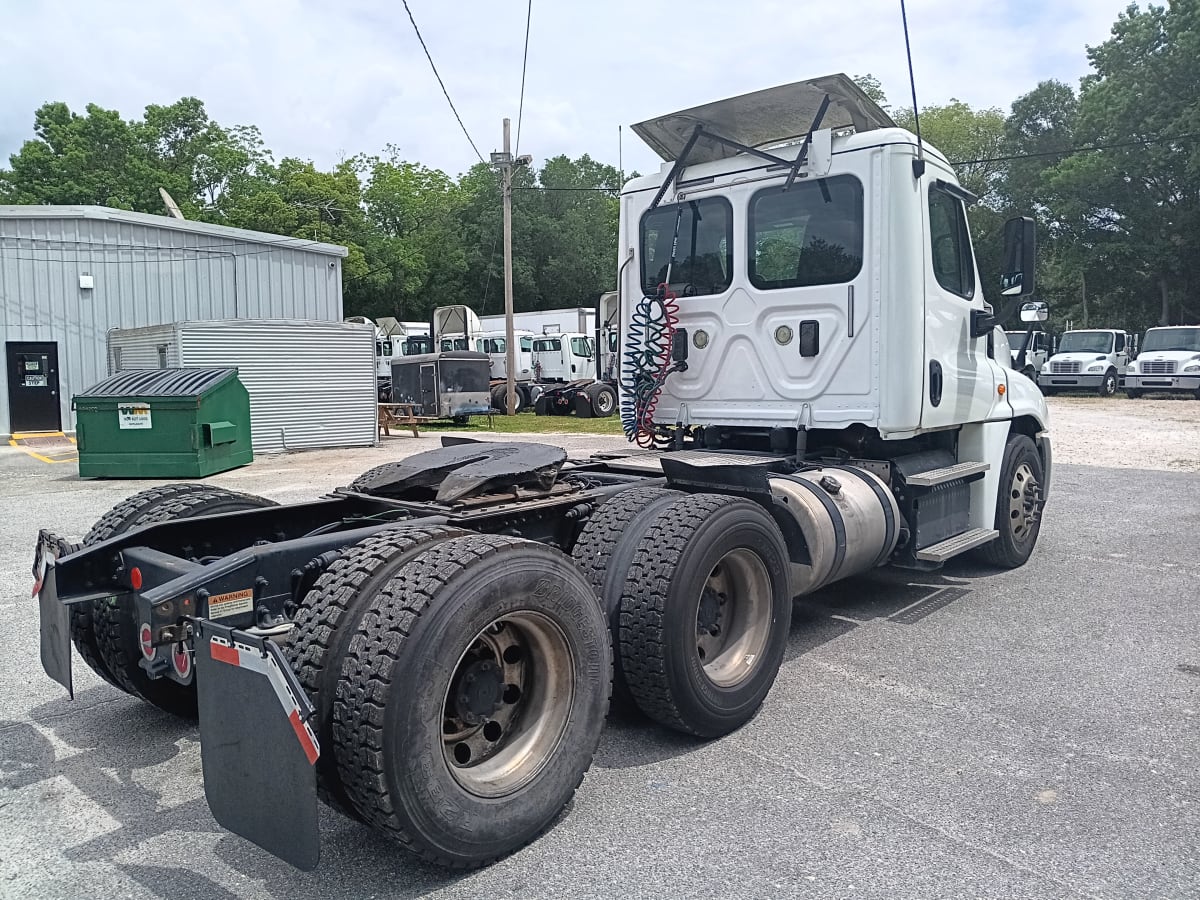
[{"x": 1033, "y": 733}]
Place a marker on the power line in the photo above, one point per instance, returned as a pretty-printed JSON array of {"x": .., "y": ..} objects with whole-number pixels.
[
  {"x": 1181, "y": 139},
  {"x": 440, "y": 82},
  {"x": 524, "y": 63}
]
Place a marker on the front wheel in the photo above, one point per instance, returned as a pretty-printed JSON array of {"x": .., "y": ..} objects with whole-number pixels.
[
  {"x": 1108, "y": 386},
  {"x": 1019, "y": 504}
]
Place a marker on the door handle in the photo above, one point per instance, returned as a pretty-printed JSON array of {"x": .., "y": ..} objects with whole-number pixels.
[{"x": 935, "y": 382}]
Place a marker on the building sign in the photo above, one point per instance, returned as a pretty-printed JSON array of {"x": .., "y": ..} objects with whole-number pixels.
[{"x": 133, "y": 415}]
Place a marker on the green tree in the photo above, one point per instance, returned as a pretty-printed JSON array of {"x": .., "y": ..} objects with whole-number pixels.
[{"x": 1136, "y": 205}]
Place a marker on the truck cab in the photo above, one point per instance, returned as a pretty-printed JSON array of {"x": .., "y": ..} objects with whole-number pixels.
[
  {"x": 1038, "y": 347},
  {"x": 776, "y": 274},
  {"x": 567, "y": 356},
  {"x": 1169, "y": 361},
  {"x": 495, "y": 345},
  {"x": 1088, "y": 359}
]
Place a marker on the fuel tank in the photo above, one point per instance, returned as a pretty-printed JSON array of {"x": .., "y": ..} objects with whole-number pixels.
[{"x": 848, "y": 518}]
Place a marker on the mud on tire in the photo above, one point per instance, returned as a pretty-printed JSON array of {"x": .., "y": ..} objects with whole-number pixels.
[{"x": 472, "y": 698}]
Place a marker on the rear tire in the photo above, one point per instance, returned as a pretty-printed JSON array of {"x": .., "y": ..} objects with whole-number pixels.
[
  {"x": 705, "y": 614},
  {"x": 472, "y": 698},
  {"x": 605, "y": 549},
  {"x": 119, "y": 519},
  {"x": 1019, "y": 505},
  {"x": 115, "y": 623},
  {"x": 603, "y": 399},
  {"x": 326, "y": 621}
]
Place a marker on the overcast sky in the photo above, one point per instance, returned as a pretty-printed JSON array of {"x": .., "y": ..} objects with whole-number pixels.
[{"x": 323, "y": 80}]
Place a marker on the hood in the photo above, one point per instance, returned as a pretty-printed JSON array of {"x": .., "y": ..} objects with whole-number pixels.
[
  {"x": 1168, "y": 355},
  {"x": 1078, "y": 357}
]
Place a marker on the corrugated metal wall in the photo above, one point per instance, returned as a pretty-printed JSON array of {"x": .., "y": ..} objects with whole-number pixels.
[
  {"x": 139, "y": 348},
  {"x": 311, "y": 384},
  {"x": 144, "y": 274}
]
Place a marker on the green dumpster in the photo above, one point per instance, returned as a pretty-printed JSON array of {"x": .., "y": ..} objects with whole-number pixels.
[{"x": 163, "y": 423}]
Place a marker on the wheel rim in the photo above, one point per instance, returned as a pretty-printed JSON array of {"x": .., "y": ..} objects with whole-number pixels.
[
  {"x": 1023, "y": 500},
  {"x": 604, "y": 402},
  {"x": 507, "y": 704},
  {"x": 1110, "y": 384},
  {"x": 733, "y": 617}
]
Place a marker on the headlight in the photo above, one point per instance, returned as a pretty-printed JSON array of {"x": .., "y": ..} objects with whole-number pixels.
[
  {"x": 1132, "y": 370},
  {"x": 1099, "y": 368},
  {"x": 1046, "y": 367},
  {"x": 1192, "y": 367}
]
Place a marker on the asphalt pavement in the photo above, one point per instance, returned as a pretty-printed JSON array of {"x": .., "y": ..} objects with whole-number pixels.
[{"x": 1033, "y": 733}]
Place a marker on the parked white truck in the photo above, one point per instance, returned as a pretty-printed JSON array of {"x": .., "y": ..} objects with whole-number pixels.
[
  {"x": 1088, "y": 359},
  {"x": 1038, "y": 347},
  {"x": 1169, "y": 361},
  {"x": 804, "y": 360}
]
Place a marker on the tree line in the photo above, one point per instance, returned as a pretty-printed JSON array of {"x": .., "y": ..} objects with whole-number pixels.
[{"x": 1110, "y": 170}]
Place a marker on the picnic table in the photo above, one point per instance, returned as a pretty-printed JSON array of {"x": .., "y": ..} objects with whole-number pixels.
[{"x": 400, "y": 415}]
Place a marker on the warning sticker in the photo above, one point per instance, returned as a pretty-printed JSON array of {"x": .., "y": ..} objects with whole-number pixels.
[
  {"x": 222, "y": 606},
  {"x": 133, "y": 415}
]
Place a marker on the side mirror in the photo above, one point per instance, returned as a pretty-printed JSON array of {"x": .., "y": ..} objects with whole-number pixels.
[
  {"x": 982, "y": 322},
  {"x": 1020, "y": 254},
  {"x": 1035, "y": 311}
]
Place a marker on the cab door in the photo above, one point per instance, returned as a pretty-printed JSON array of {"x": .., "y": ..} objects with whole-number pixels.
[{"x": 960, "y": 379}]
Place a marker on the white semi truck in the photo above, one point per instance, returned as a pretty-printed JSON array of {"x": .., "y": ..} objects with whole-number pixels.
[
  {"x": 432, "y": 647},
  {"x": 1169, "y": 361},
  {"x": 1091, "y": 359}
]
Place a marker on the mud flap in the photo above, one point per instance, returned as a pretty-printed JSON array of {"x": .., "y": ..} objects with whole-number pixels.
[
  {"x": 257, "y": 749},
  {"x": 55, "y": 629}
]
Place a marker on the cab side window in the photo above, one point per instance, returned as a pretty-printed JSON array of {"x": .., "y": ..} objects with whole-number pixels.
[
  {"x": 1120, "y": 342},
  {"x": 950, "y": 242}
]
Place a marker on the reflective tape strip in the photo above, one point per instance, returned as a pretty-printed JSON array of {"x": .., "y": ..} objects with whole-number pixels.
[{"x": 246, "y": 657}]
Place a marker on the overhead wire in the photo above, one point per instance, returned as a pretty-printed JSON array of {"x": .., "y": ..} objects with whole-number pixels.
[
  {"x": 436, "y": 75},
  {"x": 524, "y": 63}
]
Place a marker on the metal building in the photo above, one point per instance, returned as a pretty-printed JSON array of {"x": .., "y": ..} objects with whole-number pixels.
[
  {"x": 311, "y": 384},
  {"x": 70, "y": 274}
]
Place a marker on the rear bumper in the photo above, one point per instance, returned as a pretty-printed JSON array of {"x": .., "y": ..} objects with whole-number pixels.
[{"x": 1163, "y": 382}]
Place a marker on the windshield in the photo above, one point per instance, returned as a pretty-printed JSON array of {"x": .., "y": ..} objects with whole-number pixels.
[
  {"x": 1086, "y": 342},
  {"x": 1016, "y": 339},
  {"x": 1172, "y": 339}
]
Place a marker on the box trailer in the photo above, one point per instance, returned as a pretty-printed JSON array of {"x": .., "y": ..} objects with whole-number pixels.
[{"x": 311, "y": 384}]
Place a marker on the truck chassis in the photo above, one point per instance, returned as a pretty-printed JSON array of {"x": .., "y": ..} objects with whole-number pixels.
[{"x": 418, "y": 650}]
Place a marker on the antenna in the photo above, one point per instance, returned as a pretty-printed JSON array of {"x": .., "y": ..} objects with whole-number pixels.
[
  {"x": 918, "y": 163},
  {"x": 621, "y": 154}
]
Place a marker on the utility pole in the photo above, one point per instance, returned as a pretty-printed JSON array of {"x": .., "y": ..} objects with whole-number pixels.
[{"x": 505, "y": 162}]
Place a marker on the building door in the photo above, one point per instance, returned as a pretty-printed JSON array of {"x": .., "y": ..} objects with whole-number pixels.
[{"x": 32, "y": 386}]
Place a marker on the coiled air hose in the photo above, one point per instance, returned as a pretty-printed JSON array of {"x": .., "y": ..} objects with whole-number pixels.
[{"x": 647, "y": 363}]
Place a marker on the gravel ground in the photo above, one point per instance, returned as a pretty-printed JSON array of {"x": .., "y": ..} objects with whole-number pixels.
[
  {"x": 1138, "y": 434},
  {"x": 969, "y": 733}
]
